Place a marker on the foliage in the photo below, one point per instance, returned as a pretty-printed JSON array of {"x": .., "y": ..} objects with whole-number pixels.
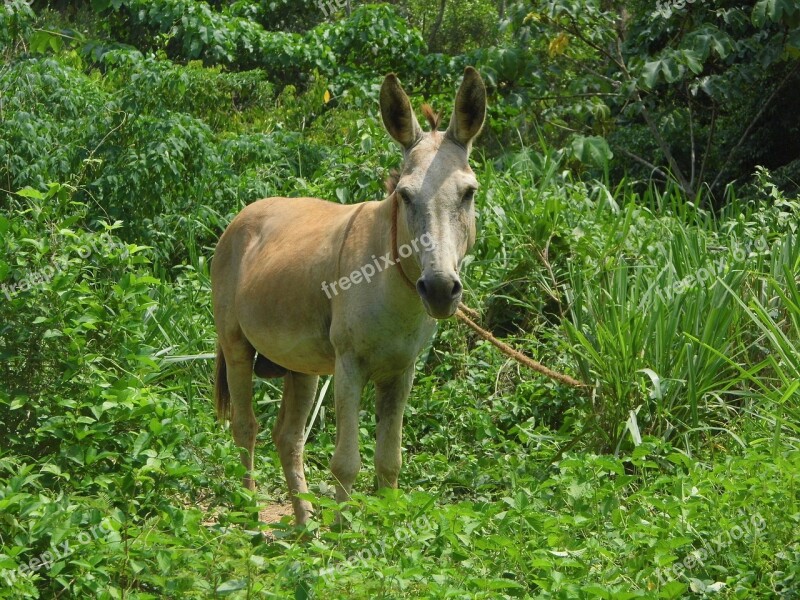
[
  {"x": 195, "y": 31},
  {"x": 16, "y": 20},
  {"x": 131, "y": 133},
  {"x": 687, "y": 91},
  {"x": 114, "y": 139},
  {"x": 464, "y": 26}
]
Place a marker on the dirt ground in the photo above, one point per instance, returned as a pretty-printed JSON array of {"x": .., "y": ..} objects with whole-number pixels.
[{"x": 273, "y": 513}]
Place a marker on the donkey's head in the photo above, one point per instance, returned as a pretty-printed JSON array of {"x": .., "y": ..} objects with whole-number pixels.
[{"x": 436, "y": 187}]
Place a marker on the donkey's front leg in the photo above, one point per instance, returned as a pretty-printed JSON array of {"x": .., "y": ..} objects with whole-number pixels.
[
  {"x": 390, "y": 401},
  {"x": 349, "y": 381}
]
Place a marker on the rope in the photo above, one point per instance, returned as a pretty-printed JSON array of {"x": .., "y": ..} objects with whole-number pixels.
[
  {"x": 461, "y": 315},
  {"x": 468, "y": 316}
]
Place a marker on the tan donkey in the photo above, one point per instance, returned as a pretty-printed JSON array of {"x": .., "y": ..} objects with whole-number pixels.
[{"x": 304, "y": 287}]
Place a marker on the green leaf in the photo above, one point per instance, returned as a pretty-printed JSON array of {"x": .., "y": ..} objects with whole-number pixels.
[
  {"x": 708, "y": 39},
  {"x": 672, "y": 70},
  {"x": 773, "y": 10},
  {"x": 301, "y": 592},
  {"x": 669, "y": 67},
  {"x": 29, "y": 192},
  {"x": 650, "y": 73},
  {"x": 611, "y": 464},
  {"x": 759, "y": 16},
  {"x": 597, "y": 590},
  {"x": 140, "y": 442},
  {"x": 100, "y": 5},
  {"x": 694, "y": 61},
  {"x": 42, "y": 40},
  {"x": 51, "y": 468},
  {"x": 232, "y": 585},
  {"x": 673, "y": 589},
  {"x": 592, "y": 150}
]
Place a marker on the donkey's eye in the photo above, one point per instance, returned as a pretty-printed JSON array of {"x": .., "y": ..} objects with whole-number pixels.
[
  {"x": 405, "y": 197},
  {"x": 468, "y": 196}
]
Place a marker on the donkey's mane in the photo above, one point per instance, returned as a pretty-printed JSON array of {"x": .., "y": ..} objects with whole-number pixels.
[{"x": 434, "y": 120}]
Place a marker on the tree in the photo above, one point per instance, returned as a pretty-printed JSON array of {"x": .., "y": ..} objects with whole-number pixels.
[{"x": 681, "y": 91}]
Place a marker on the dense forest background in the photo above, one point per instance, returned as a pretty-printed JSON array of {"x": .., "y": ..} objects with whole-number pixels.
[{"x": 638, "y": 229}]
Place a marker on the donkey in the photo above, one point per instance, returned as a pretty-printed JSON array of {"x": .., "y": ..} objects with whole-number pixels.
[{"x": 303, "y": 287}]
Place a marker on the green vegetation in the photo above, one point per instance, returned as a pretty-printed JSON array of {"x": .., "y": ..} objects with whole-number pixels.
[{"x": 639, "y": 226}]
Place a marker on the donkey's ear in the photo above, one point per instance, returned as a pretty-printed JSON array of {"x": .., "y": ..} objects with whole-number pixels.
[
  {"x": 398, "y": 118},
  {"x": 470, "y": 109}
]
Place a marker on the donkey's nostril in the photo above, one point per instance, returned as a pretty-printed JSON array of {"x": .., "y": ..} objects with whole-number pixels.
[{"x": 442, "y": 290}]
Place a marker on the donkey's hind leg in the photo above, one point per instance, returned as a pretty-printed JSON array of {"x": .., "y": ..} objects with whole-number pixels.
[
  {"x": 299, "y": 391},
  {"x": 239, "y": 363}
]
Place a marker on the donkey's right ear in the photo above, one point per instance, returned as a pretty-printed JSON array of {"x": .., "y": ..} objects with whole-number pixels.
[{"x": 398, "y": 117}]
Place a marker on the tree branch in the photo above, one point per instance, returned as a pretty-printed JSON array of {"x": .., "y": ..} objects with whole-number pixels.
[
  {"x": 707, "y": 151},
  {"x": 641, "y": 160},
  {"x": 662, "y": 144},
  {"x": 752, "y": 124},
  {"x": 436, "y": 26}
]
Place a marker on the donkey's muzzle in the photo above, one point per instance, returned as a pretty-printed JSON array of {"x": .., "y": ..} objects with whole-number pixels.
[{"x": 440, "y": 294}]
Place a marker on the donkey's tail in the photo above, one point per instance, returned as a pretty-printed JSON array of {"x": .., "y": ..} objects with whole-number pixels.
[{"x": 222, "y": 395}]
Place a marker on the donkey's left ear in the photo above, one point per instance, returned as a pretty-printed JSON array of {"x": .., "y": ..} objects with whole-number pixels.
[{"x": 470, "y": 109}]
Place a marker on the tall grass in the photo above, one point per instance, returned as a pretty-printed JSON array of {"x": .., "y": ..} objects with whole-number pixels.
[{"x": 683, "y": 320}]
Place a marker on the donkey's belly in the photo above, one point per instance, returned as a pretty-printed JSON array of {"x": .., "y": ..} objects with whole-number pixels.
[
  {"x": 292, "y": 345},
  {"x": 307, "y": 360}
]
